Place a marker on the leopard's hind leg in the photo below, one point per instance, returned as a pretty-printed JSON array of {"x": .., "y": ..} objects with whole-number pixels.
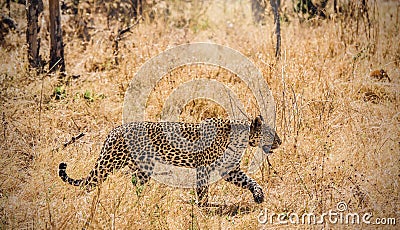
[
  {"x": 202, "y": 180},
  {"x": 113, "y": 156},
  {"x": 96, "y": 176},
  {"x": 138, "y": 175}
]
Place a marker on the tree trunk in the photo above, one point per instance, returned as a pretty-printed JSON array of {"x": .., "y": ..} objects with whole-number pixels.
[
  {"x": 33, "y": 9},
  {"x": 335, "y": 6},
  {"x": 137, "y": 8},
  {"x": 275, "y": 4},
  {"x": 8, "y": 6},
  {"x": 258, "y": 9},
  {"x": 56, "y": 43}
]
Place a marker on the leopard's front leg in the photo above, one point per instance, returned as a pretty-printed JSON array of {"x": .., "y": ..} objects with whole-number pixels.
[{"x": 240, "y": 179}]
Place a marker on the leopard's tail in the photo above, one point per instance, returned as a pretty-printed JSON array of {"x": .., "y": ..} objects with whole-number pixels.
[{"x": 84, "y": 182}]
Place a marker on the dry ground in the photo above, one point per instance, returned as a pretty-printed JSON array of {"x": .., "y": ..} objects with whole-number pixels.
[{"x": 339, "y": 125}]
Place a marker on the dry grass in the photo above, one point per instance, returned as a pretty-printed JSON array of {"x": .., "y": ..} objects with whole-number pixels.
[{"x": 340, "y": 127}]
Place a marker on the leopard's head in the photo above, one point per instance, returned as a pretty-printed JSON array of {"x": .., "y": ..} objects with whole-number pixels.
[{"x": 259, "y": 136}]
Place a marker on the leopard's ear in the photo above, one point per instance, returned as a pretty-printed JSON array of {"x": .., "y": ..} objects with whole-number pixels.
[{"x": 257, "y": 122}]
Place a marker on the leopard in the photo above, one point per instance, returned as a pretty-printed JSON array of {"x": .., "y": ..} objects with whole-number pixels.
[{"x": 138, "y": 145}]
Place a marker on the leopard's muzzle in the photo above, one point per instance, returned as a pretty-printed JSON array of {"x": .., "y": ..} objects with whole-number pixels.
[{"x": 275, "y": 144}]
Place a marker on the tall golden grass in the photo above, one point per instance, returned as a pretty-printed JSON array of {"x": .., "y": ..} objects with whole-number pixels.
[{"x": 339, "y": 126}]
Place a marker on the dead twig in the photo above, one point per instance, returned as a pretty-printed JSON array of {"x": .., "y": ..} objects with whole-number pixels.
[
  {"x": 73, "y": 139},
  {"x": 4, "y": 127},
  {"x": 275, "y": 172},
  {"x": 52, "y": 224}
]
